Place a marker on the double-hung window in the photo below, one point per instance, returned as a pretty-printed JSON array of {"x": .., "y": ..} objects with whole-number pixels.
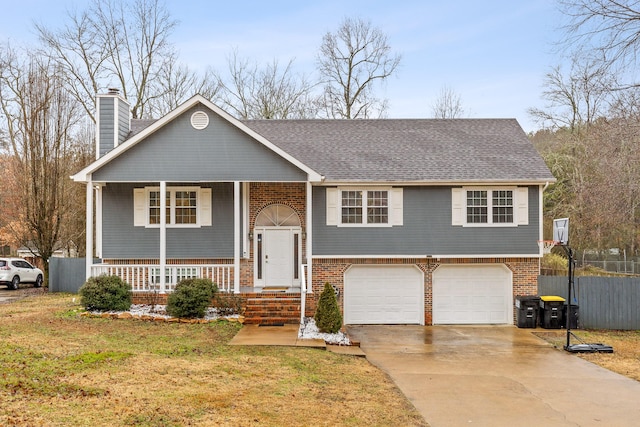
[
  {"x": 490, "y": 206},
  {"x": 364, "y": 206},
  {"x": 185, "y": 207}
]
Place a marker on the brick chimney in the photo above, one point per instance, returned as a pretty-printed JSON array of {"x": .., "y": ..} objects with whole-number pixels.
[{"x": 113, "y": 121}]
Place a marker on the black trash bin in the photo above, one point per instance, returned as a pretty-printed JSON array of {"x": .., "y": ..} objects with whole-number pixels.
[
  {"x": 527, "y": 311},
  {"x": 573, "y": 316},
  {"x": 551, "y": 308}
]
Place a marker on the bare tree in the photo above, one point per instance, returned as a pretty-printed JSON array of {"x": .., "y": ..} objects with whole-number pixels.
[
  {"x": 448, "y": 105},
  {"x": 351, "y": 61},
  {"x": 269, "y": 92},
  {"x": 610, "y": 28},
  {"x": 115, "y": 43},
  {"x": 177, "y": 82},
  {"x": 38, "y": 116},
  {"x": 578, "y": 99}
]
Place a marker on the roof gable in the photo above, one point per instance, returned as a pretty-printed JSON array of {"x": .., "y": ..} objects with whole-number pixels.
[{"x": 175, "y": 151}]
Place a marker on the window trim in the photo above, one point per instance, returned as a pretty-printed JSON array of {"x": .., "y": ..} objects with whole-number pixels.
[
  {"x": 520, "y": 206},
  {"x": 142, "y": 207},
  {"x": 364, "y": 206},
  {"x": 395, "y": 206}
]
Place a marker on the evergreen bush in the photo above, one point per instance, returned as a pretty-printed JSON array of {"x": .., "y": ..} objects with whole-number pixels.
[
  {"x": 105, "y": 293},
  {"x": 191, "y": 298},
  {"x": 328, "y": 317}
]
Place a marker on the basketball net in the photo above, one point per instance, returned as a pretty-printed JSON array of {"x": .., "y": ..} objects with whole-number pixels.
[{"x": 547, "y": 245}]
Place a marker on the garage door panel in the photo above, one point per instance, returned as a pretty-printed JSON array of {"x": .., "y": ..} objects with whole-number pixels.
[
  {"x": 383, "y": 295},
  {"x": 477, "y": 294}
]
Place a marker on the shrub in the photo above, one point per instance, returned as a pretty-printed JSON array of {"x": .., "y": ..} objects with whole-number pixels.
[
  {"x": 105, "y": 293},
  {"x": 554, "y": 262},
  {"x": 191, "y": 298},
  {"x": 328, "y": 317}
]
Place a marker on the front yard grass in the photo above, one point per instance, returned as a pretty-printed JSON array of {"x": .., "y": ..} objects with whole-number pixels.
[
  {"x": 62, "y": 369},
  {"x": 625, "y": 358}
]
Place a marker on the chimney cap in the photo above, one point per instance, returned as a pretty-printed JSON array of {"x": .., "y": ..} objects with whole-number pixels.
[{"x": 114, "y": 91}]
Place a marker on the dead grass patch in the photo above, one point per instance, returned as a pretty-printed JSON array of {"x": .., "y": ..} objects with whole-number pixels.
[
  {"x": 63, "y": 369},
  {"x": 625, "y": 358}
]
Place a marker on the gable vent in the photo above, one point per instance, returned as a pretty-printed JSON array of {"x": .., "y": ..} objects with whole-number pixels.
[{"x": 199, "y": 120}]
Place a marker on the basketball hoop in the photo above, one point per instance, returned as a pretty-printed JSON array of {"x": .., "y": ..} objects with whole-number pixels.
[{"x": 547, "y": 245}]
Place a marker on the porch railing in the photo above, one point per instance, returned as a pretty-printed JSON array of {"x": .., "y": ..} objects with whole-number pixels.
[
  {"x": 303, "y": 292},
  {"x": 146, "y": 277}
]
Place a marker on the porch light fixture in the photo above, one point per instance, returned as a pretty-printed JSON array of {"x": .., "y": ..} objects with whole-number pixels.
[
  {"x": 251, "y": 235},
  {"x": 304, "y": 235}
]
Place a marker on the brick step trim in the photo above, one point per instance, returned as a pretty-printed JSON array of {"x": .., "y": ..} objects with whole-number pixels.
[
  {"x": 271, "y": 321},
  {"x": 273, "y": 306}
]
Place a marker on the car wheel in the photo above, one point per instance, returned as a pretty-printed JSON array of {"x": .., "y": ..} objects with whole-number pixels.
[
  {"x": 15, "y": 283},
  {"x": 38, "y": 282}
]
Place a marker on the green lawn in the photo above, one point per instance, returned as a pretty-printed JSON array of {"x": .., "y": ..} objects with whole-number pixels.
[{"x": 60, "y": 369}]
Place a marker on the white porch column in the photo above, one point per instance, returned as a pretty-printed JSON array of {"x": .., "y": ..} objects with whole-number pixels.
[
  {"x": 98, "y": 221},
  {"x": 309, "y": 228},
  {"x": 89, "y": 230},
  {"x": 245, "y": 221},
  {"x": 163, "y": 235},
  {"x": 236, "y": 237}
]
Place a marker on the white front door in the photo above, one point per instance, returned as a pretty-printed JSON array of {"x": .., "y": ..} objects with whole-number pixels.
[{"x": 278, "y": 257}]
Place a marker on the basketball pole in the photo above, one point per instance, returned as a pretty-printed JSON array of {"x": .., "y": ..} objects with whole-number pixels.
[{"x": 569, "y": 252}]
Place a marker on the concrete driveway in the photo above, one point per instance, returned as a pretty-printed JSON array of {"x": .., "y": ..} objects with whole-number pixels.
[
  {"x": 497, "y": 376},
  {"x": 7, "y": 295}
]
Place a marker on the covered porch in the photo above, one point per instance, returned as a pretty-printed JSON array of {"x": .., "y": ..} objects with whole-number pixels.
[
  {"x": 264, "y": 227},
  {"x": 145, "y": 278}
]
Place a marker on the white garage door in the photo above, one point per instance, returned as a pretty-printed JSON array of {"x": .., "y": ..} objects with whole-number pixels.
[
  {"x": 472, "y": 294},
  {"x": 383, "y": 295}
]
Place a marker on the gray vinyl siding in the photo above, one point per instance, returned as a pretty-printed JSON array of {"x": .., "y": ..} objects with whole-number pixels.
[
  {"x": 122, "y": 240},
  {"x": 177, "y": 152},
  {"x": 123, "y": 120},
  {"x": 106, "y": 124},
  {"x": 427, "y": 230}
]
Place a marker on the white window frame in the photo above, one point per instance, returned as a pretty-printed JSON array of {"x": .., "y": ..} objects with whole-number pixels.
[
  {"x": 394, "y": 206},
  {"x": 203, "y": 208},
  {"x": 520, "y": 206}
]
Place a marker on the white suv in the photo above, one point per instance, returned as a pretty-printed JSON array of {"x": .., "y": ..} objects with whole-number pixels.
[{"x": 14, "y": 271}]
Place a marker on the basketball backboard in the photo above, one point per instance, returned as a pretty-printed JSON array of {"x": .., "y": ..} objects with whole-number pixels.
[{"x": 561, "y": 231}]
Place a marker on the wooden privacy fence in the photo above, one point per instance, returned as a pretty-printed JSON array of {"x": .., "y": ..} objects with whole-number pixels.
[{"x": 604, "y": 302}]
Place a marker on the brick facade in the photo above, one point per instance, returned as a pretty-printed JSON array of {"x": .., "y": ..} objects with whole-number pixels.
[
  {"x": 525, "y": 276},
  {"x": 262, "y": 195}
]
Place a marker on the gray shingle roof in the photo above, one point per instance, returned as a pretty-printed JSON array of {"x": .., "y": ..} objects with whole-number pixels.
[
  {"x": 138, "y": 125},
  {"x": 397, "y": 150},
  {"x": 405, "y": 150}
]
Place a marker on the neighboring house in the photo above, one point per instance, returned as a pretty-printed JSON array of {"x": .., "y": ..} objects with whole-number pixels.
[
  {"x": 32, "y": 255},
  {"x": 419, "y": 221}
]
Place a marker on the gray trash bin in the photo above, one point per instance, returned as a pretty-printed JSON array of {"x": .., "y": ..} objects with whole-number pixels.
[{"x": 527, "y": 311}]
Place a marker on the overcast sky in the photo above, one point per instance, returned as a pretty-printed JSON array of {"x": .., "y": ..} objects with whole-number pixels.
[{"x": 493, "y": 53}]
